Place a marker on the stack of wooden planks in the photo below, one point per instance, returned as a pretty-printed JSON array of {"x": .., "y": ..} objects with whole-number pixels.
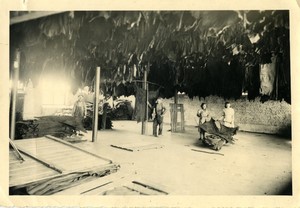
[{"x": 51, "y": 165}]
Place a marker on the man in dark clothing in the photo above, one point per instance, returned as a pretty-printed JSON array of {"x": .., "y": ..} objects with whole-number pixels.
[{"x": 159, "y": 111}]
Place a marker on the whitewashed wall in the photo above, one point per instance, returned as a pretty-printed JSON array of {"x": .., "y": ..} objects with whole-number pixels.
[{"x": 270, "y": 117}]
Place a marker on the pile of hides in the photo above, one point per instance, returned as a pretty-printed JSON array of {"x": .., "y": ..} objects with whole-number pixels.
[
  {"x": 88, "y": 122},
  {"x": 200, "y": 53},
  {"x": 103, "y": 111},
  {"x": 220, "y": 134},
  {"x": 140, "y": 109},
  {"x": 59, "y": 126},
  {"x": 55, "y": 185},
  {"x": 123, "y": 110}
]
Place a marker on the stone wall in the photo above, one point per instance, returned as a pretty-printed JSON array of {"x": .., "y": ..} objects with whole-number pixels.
[{"x": 269, "y": 117}]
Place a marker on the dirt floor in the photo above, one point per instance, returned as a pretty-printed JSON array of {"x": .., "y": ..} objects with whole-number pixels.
[{"x": 257, "y": 164}]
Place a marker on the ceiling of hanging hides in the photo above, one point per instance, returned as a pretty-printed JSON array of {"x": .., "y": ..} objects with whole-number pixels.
[{"x": 200, "y": 53}]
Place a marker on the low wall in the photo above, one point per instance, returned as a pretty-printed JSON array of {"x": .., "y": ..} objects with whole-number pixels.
[{"x": 272, "y": 117}]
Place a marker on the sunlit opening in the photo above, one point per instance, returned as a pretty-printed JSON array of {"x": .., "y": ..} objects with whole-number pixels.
[{"x": 55, "y": 90}]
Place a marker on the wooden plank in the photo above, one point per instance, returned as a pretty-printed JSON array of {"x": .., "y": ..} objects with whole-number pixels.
[
  {"x": 96, "y": 168},
  {"x": 82, "y": 165},
  {"x": 66, "y": 158},
  {"x": 102, "y": 189},
  {"x": 152, "y": 186},
  {"x": 31, "y": 16},
  {"x": 75, "y": 147},
  {"x": 48, "y": 152},
  {"x": 74, "y": 162},
  {"x": 24, "y": 167},
  {"x": 63, "y": 156},
  {"x": 18, "y": 154},
  {"x": 75, "y": 157},
  {"x": 33, "y": 172},
  {"x": 29, "y": 162},
  {"x": 143, "y": 189},
  {"x": 123, "y": 148},
  {"x": 59, "y": 155},
  {"x": 26, "y": 180},
  {"x": 13, "y": 163},
  {"x": 109, "y": 186},
  {"x": 36, "y": 146},
  {"x": 58, "y": 151},
  {"x": 16, "y": 161},
  {"x": 42, "y": 160},
  {"x": 208, "y": 152},
  {"x": 91, "y": 185},
  {"x": 31, "y": 141},
  {"x": 138, "y": 148},
  {"x": 40, "y": 147},
  {"x": 38, "y": 142}
]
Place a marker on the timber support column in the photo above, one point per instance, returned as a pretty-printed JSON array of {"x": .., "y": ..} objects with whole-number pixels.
[
  {"x": 104, "y": 115},
  {"x": 176, "y": 108},
  {"x": 16, "y": 67},
  {"x": 96, "y": 105},
  {"x": 145, "y": 88}
]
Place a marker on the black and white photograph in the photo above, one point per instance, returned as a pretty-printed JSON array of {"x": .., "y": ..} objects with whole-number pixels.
[{"x": 159, "y": 102}]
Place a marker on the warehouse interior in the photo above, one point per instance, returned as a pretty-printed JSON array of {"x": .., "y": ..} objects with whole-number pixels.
[{"x": 120, "y": 63}]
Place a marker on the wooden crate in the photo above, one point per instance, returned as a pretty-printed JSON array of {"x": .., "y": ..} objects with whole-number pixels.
[{"x": 175, "y": 109}]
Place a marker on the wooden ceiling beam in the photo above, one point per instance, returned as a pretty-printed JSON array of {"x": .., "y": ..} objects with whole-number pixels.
[{"x": 32, "y": 15}]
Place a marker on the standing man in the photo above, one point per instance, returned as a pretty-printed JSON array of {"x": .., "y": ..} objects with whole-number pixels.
[{"x": 159, "y": 111}]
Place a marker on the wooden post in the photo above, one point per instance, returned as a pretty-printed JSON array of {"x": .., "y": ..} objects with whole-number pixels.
[
  {"x": 144, "y": 122},
  {"x": 96, "y": 100},
  {"x": 175, "y": 110},
  {"x": 176, "y": 83},
  {"x": 277, "y": 65},
  {"x": 174, "y": 107},
  {"x": 104, "y": 115},
  {"x": 16, "y": 66},
  {"x": 176, "y": 96}
]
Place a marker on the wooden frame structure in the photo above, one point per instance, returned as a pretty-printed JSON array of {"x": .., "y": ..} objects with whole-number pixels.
[{"x": 48, "y": 157}]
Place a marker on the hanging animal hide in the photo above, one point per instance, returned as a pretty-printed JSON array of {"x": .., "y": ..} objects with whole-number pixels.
[
  {"x": 140, "y": 110},
  {"x": 267, "y": 77}
]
